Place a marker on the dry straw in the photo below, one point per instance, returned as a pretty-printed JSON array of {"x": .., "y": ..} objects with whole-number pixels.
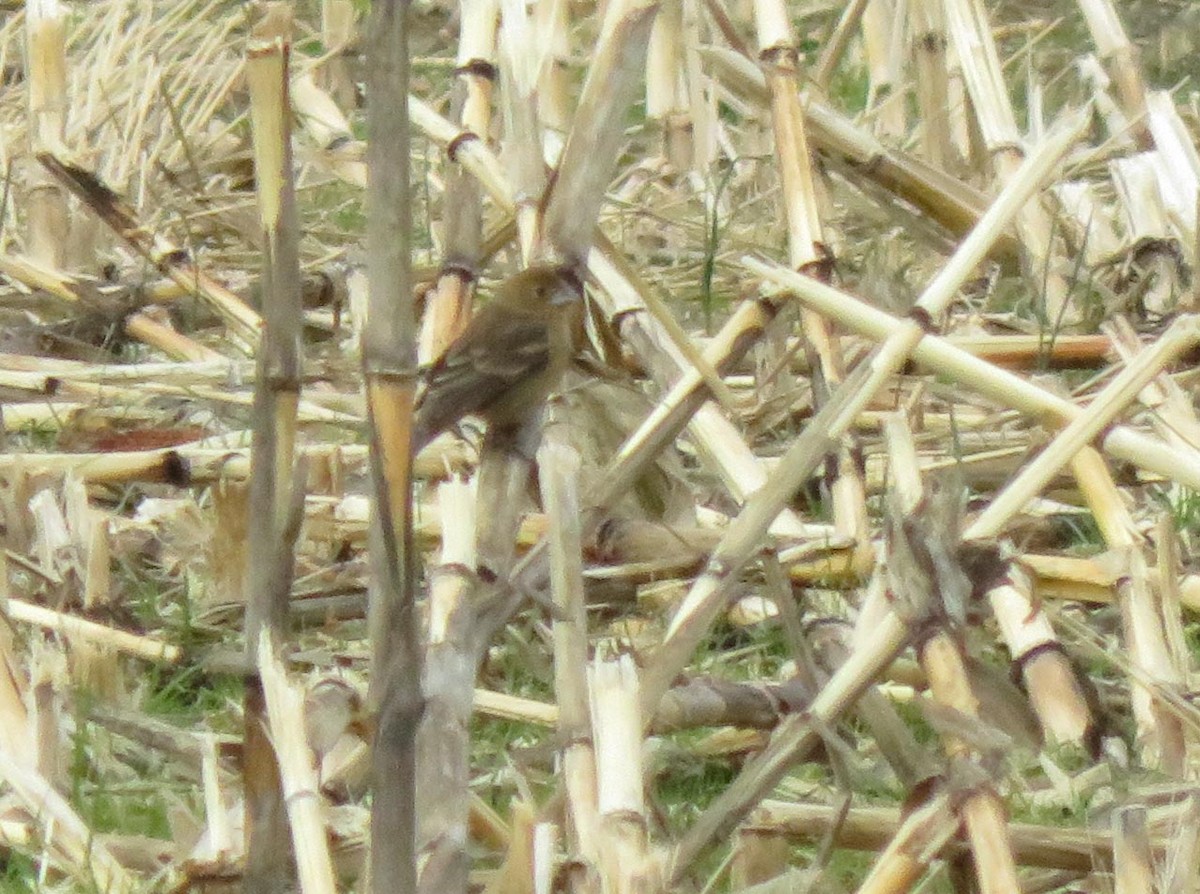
[{"x": 903, "y": 293}]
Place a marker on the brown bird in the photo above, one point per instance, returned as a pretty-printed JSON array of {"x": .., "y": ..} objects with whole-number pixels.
[{"x": 509, "y": 358}]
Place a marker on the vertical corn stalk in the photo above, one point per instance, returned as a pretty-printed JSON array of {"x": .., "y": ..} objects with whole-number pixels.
[
  {"x": 389, "y": 362},
  {"x": 970, "y": 30},
  {"x": 554, "y": 84},
  {"x": 666, "y": 86},
  {"x": 1179, "y": 166},
  {"x": 46, "y": 65},
  {"x": 521, "y": 60},
  {"x": 337, "y": 33},
  {"x": 1120, "y": 58},
  {"x": 932, "y": 78},
  {"x": 597, "y": 136},
  {"x": 780, "y": 58},
  {"x": 1055, "y": 693},
  {"x": 881, "y": 23},
  {"x": 94, "y": 666},
  {"x": 559, "y": 471},
  {"x": 626, "y": 863},
  {"x": 448, "y": 306},
  {"x": 443, "y": 737},
  {"x": 1162, "y": 733},
  {"x": 701, "y": 93},
  {"x": 276, "y": 499},
  {"x": 924, "y": 535},
  {"x": 321, "y": 117},
  {"x": 286, "y": 714},
  {"x": 1183, "y": 849},
  {"x": 475, "y": 65},
  {"x": 1133, "y": 860}
]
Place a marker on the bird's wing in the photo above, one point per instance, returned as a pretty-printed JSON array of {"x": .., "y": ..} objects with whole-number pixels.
[{"x": 477, "y": 369}]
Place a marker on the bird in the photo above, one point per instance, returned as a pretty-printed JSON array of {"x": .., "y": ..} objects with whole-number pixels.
[{"x": 508, "y": 359}]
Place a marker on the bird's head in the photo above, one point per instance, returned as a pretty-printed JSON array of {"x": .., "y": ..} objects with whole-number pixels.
[{"x": 546, "y": 285}]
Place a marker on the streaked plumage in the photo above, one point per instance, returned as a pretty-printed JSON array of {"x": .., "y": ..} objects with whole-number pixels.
[{"x": 508, "y": 359}]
